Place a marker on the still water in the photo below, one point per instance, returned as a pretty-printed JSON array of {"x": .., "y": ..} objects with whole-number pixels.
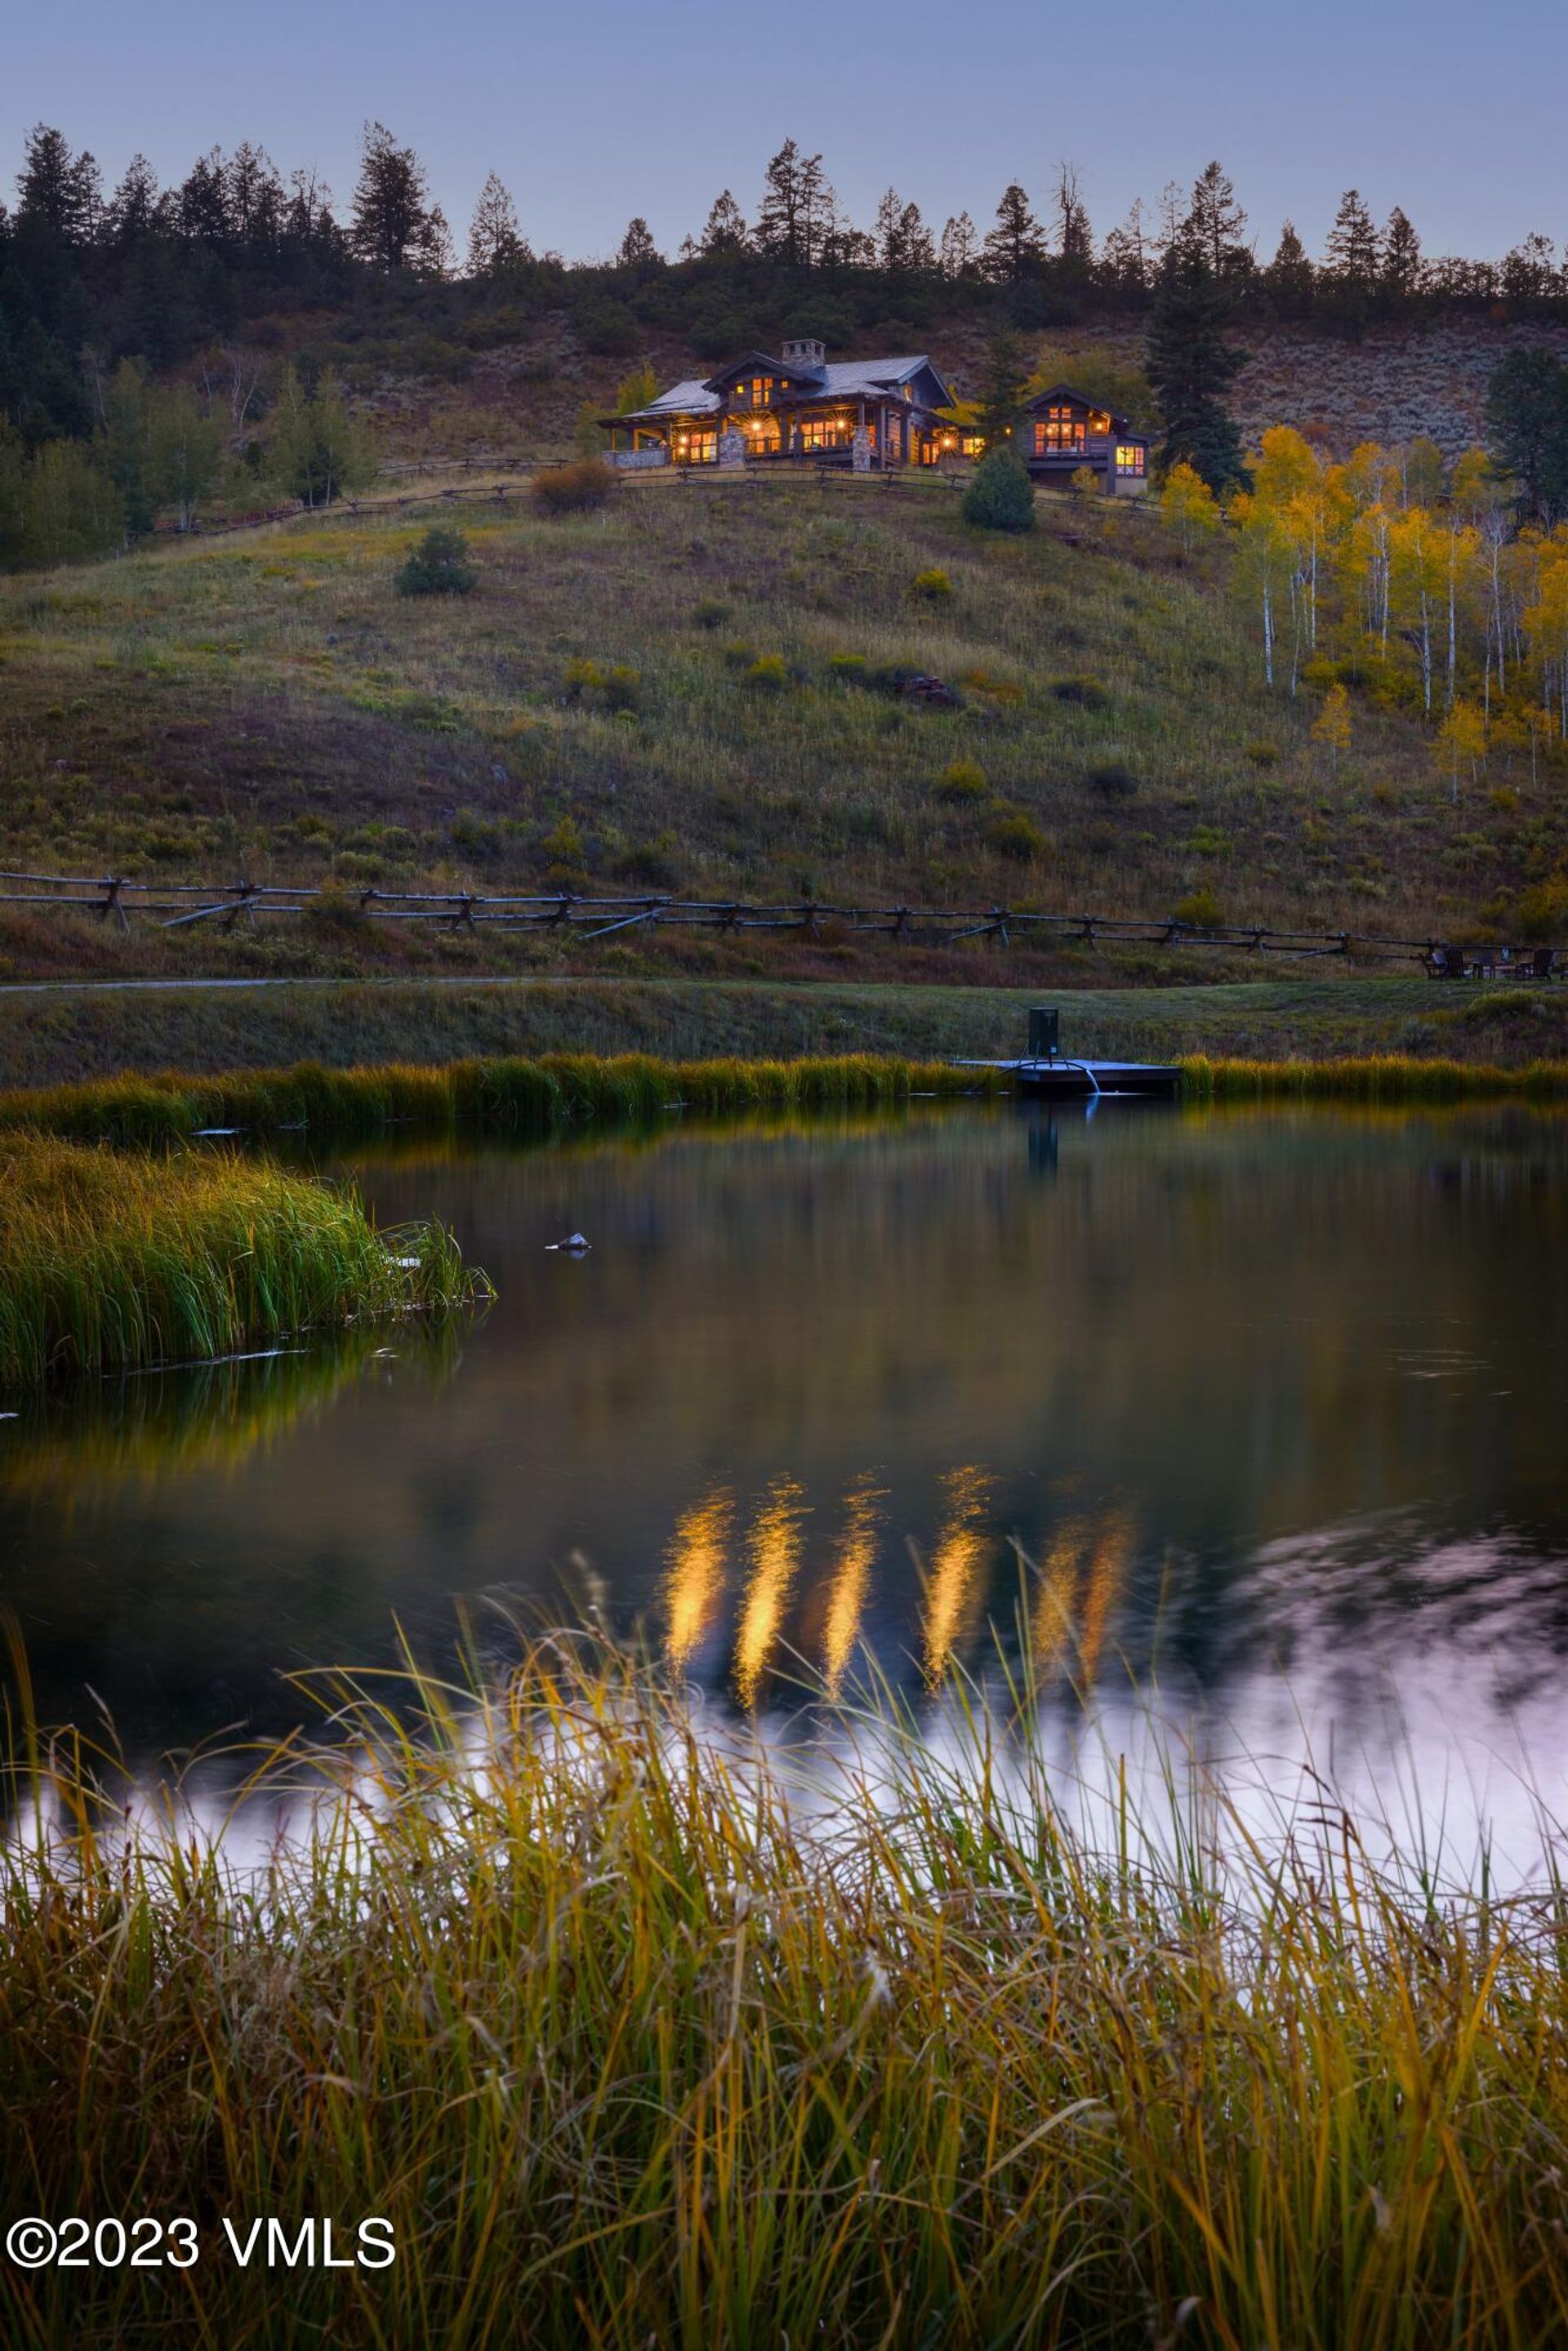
[{"x": 1266, "y": 1411}]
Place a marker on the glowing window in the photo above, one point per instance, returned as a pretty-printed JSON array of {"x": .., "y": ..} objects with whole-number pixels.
[{"x": 1130, "y": 457}]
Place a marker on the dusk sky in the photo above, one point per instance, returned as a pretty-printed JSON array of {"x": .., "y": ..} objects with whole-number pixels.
[{"x": 592, "y": 113}]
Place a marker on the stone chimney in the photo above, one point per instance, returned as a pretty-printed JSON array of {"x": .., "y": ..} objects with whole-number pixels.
[{"x": 804, "y": 355}]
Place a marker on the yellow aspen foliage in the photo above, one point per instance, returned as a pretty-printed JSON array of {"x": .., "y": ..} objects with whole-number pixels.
[
  {"x": 1461, "y": 740},
  {"x": 1188, "y": 504},
  {"x": 1331, "y": 725},
  {"x": 1285, "y": 468}
]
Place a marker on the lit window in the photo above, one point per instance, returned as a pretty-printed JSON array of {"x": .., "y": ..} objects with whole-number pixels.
[
  {"x": 1130, "y": 457},
  {"x": 1061, "y": 432}
]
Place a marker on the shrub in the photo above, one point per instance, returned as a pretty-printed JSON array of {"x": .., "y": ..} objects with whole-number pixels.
[
  {"x": 1084, "y": 482},
  {"x": 575, "y": 488},
  {"x": 438, "y": 565},
  {"x": 1201, "y": 909},
  {"x": 708, "y": 612},
  {"x": 934, "y": 585},
  {"x": 1112, "y": 780},
  {"x": 1263, "y": 754},
  {"x": 1012, "y": 833},
  {"x": 964, "y": 780},
  {"x": 739, "y": 657},
  {"x": 1086, "y": 692},
  {"x": 849, "y": 667},
  {"x": 608, "y": 327},
  {"x": 1001, "y": 496},
  {"x": 768, "y": 674},
  {"x": 1208, "y": 840}
]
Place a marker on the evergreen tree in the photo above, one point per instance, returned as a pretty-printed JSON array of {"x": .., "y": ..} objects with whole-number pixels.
[
  {"x": 1125, "y": 258},
  {"x": 495, "y": 239},
  {"x": 1352, "y": 260},
  {"x": 638, "y": 250},
  {"x": 960, "y": 247},
  {"x": 391, "y": 208},
  {"x": 55, "y": 190},
  {"x": 1191, "y": 367},
  {"x": 1216, "y": 221},
  {"x": 797, "y": 209},
  {"x": 1289, "y": 279},
  {"x": 1001, "y": 496},
  {"x": 1002, "y": 392},
  {"x": 1527, "y": 430},
  {"x": 1400, "y": 270},
  {"x": 724, "y": 230},
  {"x": 134, "y": 209},
  {"x": 1016, "y": 247},
  {"x": 437, "y": 564}
]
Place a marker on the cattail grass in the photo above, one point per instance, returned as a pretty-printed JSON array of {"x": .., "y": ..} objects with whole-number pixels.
[
  {"x": 113, "y": 1261},
  {"x": 513, "y": 1095},
  {"x": 1371, "y": 1077},
  {"x": 633, "y": 2043}
]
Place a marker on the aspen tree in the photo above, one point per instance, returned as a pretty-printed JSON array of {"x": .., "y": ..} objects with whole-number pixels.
[{"x": 1332, "y": 725}]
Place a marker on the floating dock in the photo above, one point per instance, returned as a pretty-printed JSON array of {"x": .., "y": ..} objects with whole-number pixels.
[
  {"x": 1060, "y": 1077},
  {"x": 1046, "y": 1070}
]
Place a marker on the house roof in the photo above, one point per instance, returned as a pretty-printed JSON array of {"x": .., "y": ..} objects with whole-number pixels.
[
  {"x": 839, "y": 379},
  {"x": 1056, "y": 393}
]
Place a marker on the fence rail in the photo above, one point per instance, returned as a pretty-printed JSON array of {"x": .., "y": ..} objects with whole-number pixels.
[{"x": 174, "y": 905}]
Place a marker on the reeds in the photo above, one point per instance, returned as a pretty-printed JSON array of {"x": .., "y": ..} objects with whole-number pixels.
[
  {"x": 112, "y": 1260},
  {"x": 1370, "y": 1077},
  {"x": 631, "y": 2045},
  {"x": 511, "y": 1094}
]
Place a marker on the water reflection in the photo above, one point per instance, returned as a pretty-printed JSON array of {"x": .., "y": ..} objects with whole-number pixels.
[
  {"x": 775, "y": 1548},
  {"x": 1270, "y": 1404},
  {"x": 850, "y": 1583},
  {"x": 953, "y": 1588},
  {"x": 698, "y": 1563}
]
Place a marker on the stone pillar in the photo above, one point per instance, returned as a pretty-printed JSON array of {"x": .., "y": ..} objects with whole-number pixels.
[
  {"x": 860, "y": 450},
  {"x": 731, "y": 446}
]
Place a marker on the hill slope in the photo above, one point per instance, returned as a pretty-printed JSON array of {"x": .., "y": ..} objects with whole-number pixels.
[{"x": 681, "y": 694}]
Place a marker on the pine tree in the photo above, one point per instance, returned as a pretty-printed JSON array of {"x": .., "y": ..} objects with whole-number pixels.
[
  {"x": 960, "y": 247},
  {"x": 638, "y": 250},
  {"x": 1191, "y": 367},
  {"x": 1400, "y": 270},
  {"x": 725, "y": 230},
  {"x": 494, "y": 238},
  {"x": 1216, "y": 221},
  {"x": 1353, "y": 258},
  {"x": 391, "y": 208},
  {"x": 58, "y": 190},
  {"x": 1016, "y": 247},
  {"x": 1001, "y": 496},
  {"x": 1124, "y": 258},
  {"x": 796, "y": 208},
  {"x": 1002, "y": 394},
  {"x": 133, "y": 207},
  {"x": 1291, "y": 279},
  {"x": 1527, "y": 430}
]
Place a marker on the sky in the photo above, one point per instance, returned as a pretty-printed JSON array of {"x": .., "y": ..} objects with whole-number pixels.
[{"x": 592, "y": 113}]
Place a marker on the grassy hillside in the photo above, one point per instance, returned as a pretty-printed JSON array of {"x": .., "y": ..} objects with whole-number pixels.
[
  {"x": 68, "y": 1033},
  {"x": 682, "y": 694}
]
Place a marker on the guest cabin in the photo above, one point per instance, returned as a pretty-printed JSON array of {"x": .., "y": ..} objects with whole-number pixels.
[
  {"x": 1062, "y": 432},
  {"x": 864, "y": 414}
]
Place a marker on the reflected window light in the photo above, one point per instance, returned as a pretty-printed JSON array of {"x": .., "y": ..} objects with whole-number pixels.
[
  {"x": 852, "y": 1581},
  {"x": 695, "y": 1573},
  {"x": 955, "y": 1583},
  {"x": 775, "y": 1548}
]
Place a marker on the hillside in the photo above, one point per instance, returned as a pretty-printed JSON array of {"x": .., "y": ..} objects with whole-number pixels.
[
  {"x": 1396, "y": 381},
  {"x": 683, "y": 693}
]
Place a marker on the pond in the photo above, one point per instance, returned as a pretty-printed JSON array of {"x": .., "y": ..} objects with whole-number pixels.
[{"x": 1264, "y": 1411}]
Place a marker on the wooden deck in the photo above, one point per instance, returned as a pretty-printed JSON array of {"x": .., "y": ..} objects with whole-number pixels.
[{"x": 1064, "y": 1075}]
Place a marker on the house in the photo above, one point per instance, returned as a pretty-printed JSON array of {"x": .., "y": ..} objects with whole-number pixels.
[
  {"x": 1062, "y": 431},
  {"x": 865, "y": 415}
]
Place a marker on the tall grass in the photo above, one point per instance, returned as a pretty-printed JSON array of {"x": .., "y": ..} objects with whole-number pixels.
[
  {"x": 1370, "y": 1077},
  {"x": 112, "y": 1260},
  {"x": 634, "y": 2047},
  {"x": 510, "y": 1093}
]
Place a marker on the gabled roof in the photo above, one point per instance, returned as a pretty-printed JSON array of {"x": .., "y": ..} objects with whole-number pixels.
[
  {"x": 1057, "y": 395},
  {"x": 839, "y": 379}
]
